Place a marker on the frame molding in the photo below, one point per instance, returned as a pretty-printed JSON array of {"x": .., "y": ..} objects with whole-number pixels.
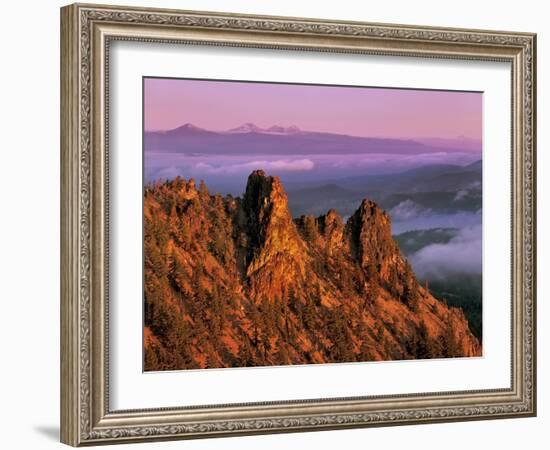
[{"x": 86, "y": 31}]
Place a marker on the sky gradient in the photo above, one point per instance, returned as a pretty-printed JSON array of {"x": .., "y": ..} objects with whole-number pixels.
[{"x": 358, "y": 111}]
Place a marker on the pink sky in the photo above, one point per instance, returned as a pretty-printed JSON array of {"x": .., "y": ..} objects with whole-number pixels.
[{"x": 376, "y": 112}]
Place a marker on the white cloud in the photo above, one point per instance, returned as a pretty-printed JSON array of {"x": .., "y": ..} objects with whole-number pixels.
[
  {"x": 475, "y": 185},
  {"x": 398, "y": 162},
  {"x": 281, "y": 165},
  {"x": 406, "y": 210},
  {"x": 297, "y": 165},
  {"x": 463, "y": 253},
  {"x": 460, "y": 195}
]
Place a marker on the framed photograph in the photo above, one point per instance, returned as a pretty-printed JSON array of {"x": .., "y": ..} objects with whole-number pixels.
[{"x": 276, "y": 225}]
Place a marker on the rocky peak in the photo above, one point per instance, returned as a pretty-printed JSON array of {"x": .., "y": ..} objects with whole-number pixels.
[
  {"x": 274, "y": 243},
  {"x": 371, "y": 241},
  {"x": 259, "y": 187},
  {"x": 330, "y": 222},
  {"x": 331, "y": 227},
  {"x": 265, "y": 204}
]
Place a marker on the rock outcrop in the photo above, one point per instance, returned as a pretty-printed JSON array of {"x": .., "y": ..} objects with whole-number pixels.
[{"x": 232, "y": 282}]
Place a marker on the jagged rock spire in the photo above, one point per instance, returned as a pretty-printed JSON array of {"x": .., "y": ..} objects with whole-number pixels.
[{"x": 276, "y": 252}]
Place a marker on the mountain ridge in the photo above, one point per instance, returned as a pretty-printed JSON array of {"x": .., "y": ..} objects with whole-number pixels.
[
  {"x": 232, "y": 282},
  {"x": 249, "y": 138}
]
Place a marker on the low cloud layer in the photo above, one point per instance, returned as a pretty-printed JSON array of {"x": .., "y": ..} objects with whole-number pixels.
[
  {"x": 388, "y": 163},
  {"x": 303, "y": 167},
  {"x": 427, "y": 219},
  {"x": 212, "y": 169},
  {"x": 407, "y": 209},
  {"x": 462, "y": 254},
  {"x": 409, "y": 215},
  {"x": 284, "y": 165}
]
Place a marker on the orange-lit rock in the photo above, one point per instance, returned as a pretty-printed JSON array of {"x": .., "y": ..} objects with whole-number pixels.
[{"x": 232, "y": 282}]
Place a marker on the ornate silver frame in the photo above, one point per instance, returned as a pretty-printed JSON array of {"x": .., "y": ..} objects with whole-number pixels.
[{"x": 86, "y": 31}]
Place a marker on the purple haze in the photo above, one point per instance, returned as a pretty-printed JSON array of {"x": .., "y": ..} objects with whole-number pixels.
[
  {"x": 372, "y": 112},
  {"x": 220, "y": 131}
]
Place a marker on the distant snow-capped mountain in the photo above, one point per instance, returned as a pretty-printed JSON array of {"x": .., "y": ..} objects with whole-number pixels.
[
  {"x": 246, "y": 128},
  {"x": 250, "y": 139},
  {"x": 186, "y": 129},
  {"x": 275, "y": 129}
]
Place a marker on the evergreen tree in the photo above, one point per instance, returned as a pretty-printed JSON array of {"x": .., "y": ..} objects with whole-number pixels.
[
  {"x": 245, "y": 352},
  {"x": 203, "y": 192},
  {"x": 185, "y": 232},
  {"x": 423, "y": 345},
  {"x": 450, "y": 346},
  {"x": 410, "y": 296}
]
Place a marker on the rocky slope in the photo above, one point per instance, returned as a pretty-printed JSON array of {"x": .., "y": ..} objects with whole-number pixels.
[{"x": 232, "y": 282}]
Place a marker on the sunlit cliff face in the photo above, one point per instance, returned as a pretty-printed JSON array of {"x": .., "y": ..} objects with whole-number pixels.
[{"x": 234, "y": 282}]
